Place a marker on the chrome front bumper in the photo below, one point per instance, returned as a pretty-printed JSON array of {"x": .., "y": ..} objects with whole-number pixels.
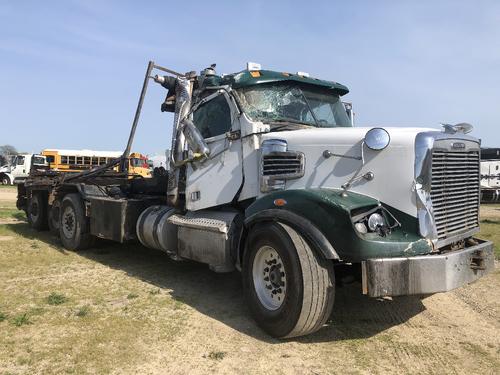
[{"x": 427, "y": 274}]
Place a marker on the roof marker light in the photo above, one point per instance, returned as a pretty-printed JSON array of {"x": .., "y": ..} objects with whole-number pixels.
[
  {"x": 253, "y": 66},
  {"x": 303, "y": 74}
]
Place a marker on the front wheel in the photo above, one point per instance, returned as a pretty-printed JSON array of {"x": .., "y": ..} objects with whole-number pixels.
[
  {"x": 5, "y": 180},
  {"x": 74, "y": 228},
  {"x": 289, "y": 288}
]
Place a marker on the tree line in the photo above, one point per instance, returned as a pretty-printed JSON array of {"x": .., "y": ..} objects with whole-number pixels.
[{"x": 6, "y": 152}]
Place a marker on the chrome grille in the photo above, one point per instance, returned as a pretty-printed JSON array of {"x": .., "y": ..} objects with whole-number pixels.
[
  {"x": 455, "y": 191},
  {"x": 287, "y": 164}
]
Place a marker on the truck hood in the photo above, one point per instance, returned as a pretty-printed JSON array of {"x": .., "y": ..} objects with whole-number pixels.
[{"x": 393, "y": 168}]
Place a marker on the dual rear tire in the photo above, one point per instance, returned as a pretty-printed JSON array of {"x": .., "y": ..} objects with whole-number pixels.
[
  {"x": 74, "y": 226},
  {"x": 65, "y": 218}
]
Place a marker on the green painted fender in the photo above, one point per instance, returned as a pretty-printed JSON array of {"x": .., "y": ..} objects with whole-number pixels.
[{"x": 324, "y": 217}]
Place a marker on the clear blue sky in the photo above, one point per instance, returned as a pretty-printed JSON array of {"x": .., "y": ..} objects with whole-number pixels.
[{"x": 71, "y": 71}]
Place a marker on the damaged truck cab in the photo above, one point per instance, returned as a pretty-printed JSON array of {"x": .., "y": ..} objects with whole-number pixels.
[{"x": 269, "y": 176}]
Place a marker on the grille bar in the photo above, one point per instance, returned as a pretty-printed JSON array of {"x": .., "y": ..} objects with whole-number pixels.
[{"x": 455, "y": 191}]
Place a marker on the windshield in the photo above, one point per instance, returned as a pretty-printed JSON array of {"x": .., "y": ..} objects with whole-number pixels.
[
  {"x": 136, "y": 162},
  {"x": 38, "y": 160},
  {"x": 294, "y": 103}
]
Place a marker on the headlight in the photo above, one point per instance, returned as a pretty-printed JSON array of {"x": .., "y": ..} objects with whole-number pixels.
[
  {"x": 361, "y": 228},
  {"x": 378, "y": 220},
  {"x": 375, "y": 221}
]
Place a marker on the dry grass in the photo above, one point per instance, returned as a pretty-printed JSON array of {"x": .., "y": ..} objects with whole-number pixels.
[
  {"x": 490, "y": 225},
  {"x": 93, "y": 318}
]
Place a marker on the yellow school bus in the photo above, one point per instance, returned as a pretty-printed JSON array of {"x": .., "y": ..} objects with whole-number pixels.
[
  {"x": 80, "y": 160},
  {"x": 138, "y": 164}
]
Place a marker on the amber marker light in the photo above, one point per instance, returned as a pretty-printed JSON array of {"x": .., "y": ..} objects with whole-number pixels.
[{"x": 280, "y": 202}]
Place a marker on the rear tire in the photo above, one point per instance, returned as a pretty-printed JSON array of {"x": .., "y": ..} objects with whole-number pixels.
[
  {"x": 278, "y": 262},
  {"x": 54, "y": 217},
  {"x": 74, "y": 226},
  {"x": 37, "y": 210}
]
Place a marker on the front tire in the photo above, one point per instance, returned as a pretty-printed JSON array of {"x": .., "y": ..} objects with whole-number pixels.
[
  {"x": 289, "y": 288},
  {"x": 6, "y": 180},
  {"x": 74, "y": 226}
]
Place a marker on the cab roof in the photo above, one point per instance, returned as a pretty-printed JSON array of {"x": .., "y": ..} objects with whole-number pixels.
[{"x": 248, "y": 78}]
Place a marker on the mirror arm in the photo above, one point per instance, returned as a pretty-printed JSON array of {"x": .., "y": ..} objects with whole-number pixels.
[{"x": 367, "y": 176}]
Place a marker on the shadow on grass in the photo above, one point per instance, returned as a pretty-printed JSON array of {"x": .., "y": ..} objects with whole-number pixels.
[
  {"x": 489, "y": 221},
  {"x": 220, "y": 296},
  {"x": 23, "y": 229}
]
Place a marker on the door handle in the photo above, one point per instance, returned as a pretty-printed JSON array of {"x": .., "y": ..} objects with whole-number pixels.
[{"x": 234, "y": 135}]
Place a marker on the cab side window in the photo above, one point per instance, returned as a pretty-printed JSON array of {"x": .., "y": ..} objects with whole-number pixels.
[{"x": 213, "y": 118}]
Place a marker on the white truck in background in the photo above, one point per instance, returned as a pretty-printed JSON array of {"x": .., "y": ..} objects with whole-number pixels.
[
  {"x": 490, "y": 181},
  {"x": 20, "y": 167}
]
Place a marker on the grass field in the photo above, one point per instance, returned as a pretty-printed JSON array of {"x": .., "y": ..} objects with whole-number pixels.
[{"x": 127, "y": 309}]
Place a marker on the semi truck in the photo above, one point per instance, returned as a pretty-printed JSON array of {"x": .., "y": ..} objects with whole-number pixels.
[
  {"x": 20, "y": 167},
  {"x": 490, "y": 175},
  {"x": 268, "y": 176}
]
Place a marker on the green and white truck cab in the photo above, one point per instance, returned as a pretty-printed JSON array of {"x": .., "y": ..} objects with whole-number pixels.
[{"x": 267, "y": 175}]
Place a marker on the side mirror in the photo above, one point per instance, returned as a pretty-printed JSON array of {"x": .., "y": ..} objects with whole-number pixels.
[
  {"x": 195, "y": 140},
  {"x": 349, "y": 112}
]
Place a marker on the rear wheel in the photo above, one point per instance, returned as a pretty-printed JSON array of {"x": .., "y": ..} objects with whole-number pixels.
[
  {"x": 74, "y": 228},
  {"x": 54, "y": 217},
  {"x": 290, "y": 290},
  {"x": 37, "y": 210}
]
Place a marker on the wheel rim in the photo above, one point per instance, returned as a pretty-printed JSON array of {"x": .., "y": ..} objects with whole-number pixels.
[
  {"x": 269, "y": 278},
  {"x": 68, "y": 222}
]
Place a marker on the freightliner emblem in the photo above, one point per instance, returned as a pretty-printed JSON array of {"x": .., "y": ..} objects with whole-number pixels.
[{"x": 458, "y": 145}]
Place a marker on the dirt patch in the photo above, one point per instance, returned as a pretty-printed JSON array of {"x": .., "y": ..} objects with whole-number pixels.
[
  {"x": 8, "y": 193},
  {"x": 491, "y": 211},
  {"x": 9, "y": 220}
]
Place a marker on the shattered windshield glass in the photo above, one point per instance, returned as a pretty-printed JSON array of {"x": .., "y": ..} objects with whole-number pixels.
[{"x": 293, "y": 103}]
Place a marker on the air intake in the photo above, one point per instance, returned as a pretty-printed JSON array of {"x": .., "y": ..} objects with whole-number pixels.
[{"x": 278, "y": 165}]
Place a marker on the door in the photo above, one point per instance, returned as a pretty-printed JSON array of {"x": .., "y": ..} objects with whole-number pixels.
[
  {"x": 218, "y": 179},
  {"x": 18, "y": 167}
]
